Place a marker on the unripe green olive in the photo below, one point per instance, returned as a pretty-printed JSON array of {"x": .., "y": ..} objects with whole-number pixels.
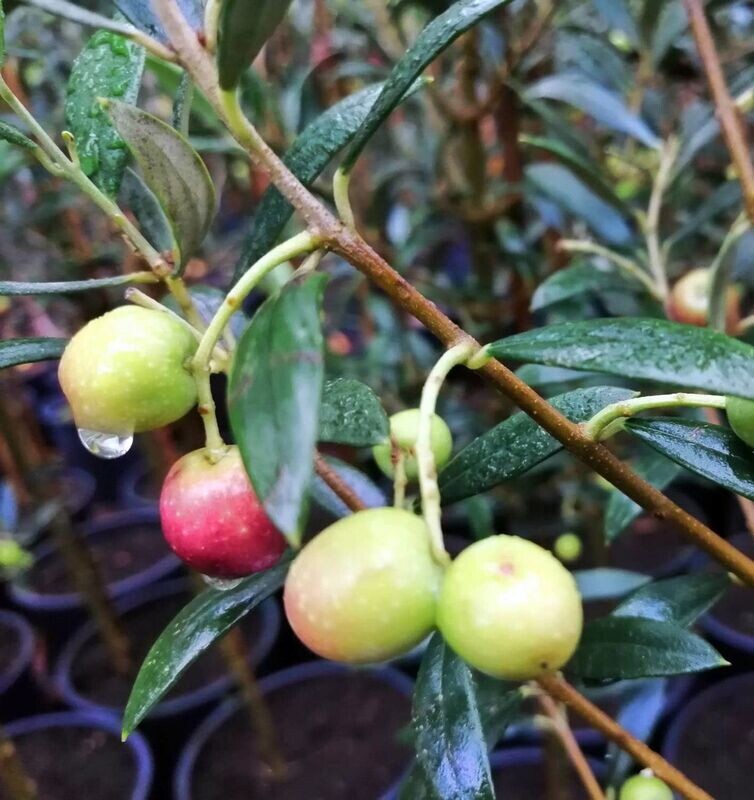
[
  {"x": 645, "y": 787},
  {"x": 365, "y": 589},
  {"x": 404, "y": 431},
  {"x": 509, "y": 608},
  {"x": 568, "y": 547},
  {"x": 741, "y": 418},
  {"x": 127, "y": 372}
]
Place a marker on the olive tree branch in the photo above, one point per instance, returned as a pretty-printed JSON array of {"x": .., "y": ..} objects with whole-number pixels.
[
  {"x": 727, "y": 111},
  {"x": 62, "y": 8},
  {"x": 353, "y": 248}
]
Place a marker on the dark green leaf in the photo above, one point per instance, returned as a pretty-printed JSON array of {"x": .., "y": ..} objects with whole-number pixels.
[
  {"x": 245, "y": 26},
  {"x": 312, "y": 151},
  {"x": 352, "y": 414},
  {"x": 16, "y": 288},
  {"x": 596, "y": 101},
  {"x": 173, "y": 170},
  {"x": 518, "y": 444},
  {"x": 137, "y": 197},
  {"x": 587, "y": 276},
  {"x": 620, "y": 648},
  {"x": 679, "y": 600},
  {"x": 25, "y": 351},
  {"x": 140, "y": 14},
  {"x": 570, "y": 193},
  {"x": 436, "y": 37},
  {"x": 668, "y": 353},
  {"x": 621, "y": 510},
  {"x": 109, "y": 66},
  {"x": 274, "y": 400},
  {"x": 196, "y": 627},
  {"x": 711, "y": 451},
  {"x": 9, "y": 133},
  {"x": 498, "y": 703},
  {"x": 451, "y": 749}
]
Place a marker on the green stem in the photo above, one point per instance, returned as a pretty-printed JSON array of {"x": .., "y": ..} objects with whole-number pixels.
[
  {"x": 399, "y": 477},
  {"x": 65, "y": 167},
  {"x": 430, "y": 491},
  {"x": 340, "y": 184},
  {"x": 186, "y": 303},
  {"x": 211, "y": 24},
  {"x": 304, "y": 242},
  {"x": 601, "y": 425},
  {"x": 720, "y": 270}
]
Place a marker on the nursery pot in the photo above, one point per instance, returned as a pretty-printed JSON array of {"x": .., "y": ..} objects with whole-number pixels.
[
  {"x": 336, "y": 728},
  {"x": 79, "y": 755},
  {"x": 730, "y": 622},
  {"x": 16, "y": 654},
  {"x": 521, "y": 774},
  {"x": 131, "y": 552},
  {"x": 710, "y": 740},
  {"x": 57, "y": 425}
]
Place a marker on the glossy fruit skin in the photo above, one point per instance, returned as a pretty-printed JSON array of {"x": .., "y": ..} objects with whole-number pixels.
[
  {"x": 404, "y": 430},
  {"x": 741, "y": 418},
  {"x": 212, "y": 519},
  {"x": 689, "y": 300},
  {"x": 645, "y": 787},
  {"x": 509, "y": 608},
  {"x": 365, "y": 589},
  {"x": 125, "y": 372}
]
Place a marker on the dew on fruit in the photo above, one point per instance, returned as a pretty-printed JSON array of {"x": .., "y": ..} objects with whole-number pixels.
[
  {"x": 221, "y": 584},
  {"x": 105, "y": 445}
]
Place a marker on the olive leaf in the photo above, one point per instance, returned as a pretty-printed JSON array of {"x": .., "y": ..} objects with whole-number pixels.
[{"x": 26, "y": 351}]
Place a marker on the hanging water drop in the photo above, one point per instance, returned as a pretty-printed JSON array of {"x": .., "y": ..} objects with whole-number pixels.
[
  {"x": 221, "y": 584},
  {"x": 105, "y": 445}
]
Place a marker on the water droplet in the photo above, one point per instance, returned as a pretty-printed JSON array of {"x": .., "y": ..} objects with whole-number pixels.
[
  {"x": 221, "y": 584},
  {"x": 105, "y": 445}
]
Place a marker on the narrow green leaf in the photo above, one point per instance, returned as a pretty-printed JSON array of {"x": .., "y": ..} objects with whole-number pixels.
[
  {"x": 680, "y": 600},
  {"x": 711, "y": 451},
  {"x": 622, "y": 648},
  {"x": 587, "y": 276},
  {"x": 352, "y": 414},
  {"x": 621, "y": 510},
  {"x": 173, "y": 170},
  {"x": 499, "y": 703},
  {"x": 26, "y": 351},
  {"x": 668, "y": 353},
  {"x": 436, "y": 37},
  {"x": 596, "y": 101},
  {"x": 451, "y": 749},
  {"x": 18, "y": 288},
  {"x": 10, "y": 133},
  {"x": 274, "y": 400},
  {"x": 196, "y": 627},
  {"x": 312, "y": 151},
  {"x": 109, "y": 66},
  {"x": 518, "y": 444},
  {"x": 245, "y": 26},
  {"x": 138, "y": 198}
]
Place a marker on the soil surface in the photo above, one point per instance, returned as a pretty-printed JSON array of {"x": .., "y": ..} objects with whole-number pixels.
[
  {"x": 76, "y": 764},
  {"x": 9, "y": 644},
  {"x": 94, "y": 678},
  {"x": 119, "y": 553},
  {"x": 717, "y": 748},
  {"x": 338, "y": 735}
]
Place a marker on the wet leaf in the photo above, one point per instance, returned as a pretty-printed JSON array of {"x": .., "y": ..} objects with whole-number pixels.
[
  {"x": 26, "y": 351},
  {"x": 19, "y": 288},
  {"x": 10, "y": 133},
  {"x": 352, "y": 414}
]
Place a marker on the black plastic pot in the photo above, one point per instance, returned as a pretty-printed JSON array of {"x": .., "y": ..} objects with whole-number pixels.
[
  {"x": 302, "y": 683},
  {"x": 63, "y": 754},
  {"x": 710, "y": 740},
  {"x": 58, "y": 427},
  {"x": 60, "y": 612},
  {"x": 16, "y": 685}
]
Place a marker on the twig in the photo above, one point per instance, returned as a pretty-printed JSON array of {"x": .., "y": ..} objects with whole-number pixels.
[
  {"x": 571, "y": 746},
  {"x": 727, "y": 112},
  {"x": 561, "y": 690},
  {"x": 337, "y": 484},
  {"x": 652, "y": 225}
]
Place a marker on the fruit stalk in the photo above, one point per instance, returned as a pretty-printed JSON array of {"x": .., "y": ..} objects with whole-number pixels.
[
  {"x": 561, "y": 690},
  {"x": 337, "y": 484},
  {"x": 12, "y": 773},
  {"x": 78, "y": 560},
  {"x": 425, "y": 458},
  {"x": 668, "y": 158}
]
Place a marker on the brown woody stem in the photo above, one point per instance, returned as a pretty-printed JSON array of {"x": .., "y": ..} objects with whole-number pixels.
[
  {"x": 561, "y": 690},
  {"x": 337, "y": 484}
]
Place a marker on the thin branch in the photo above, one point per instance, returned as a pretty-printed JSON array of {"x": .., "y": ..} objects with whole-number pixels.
[
  {"x": 561, "y": 690},
  {"x": 727, "y": 112},
  {"x": 652, "y": 226},
  {"x": 337, "y": 484}
]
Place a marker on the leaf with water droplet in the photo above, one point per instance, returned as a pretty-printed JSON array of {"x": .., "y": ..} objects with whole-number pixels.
[
  {"x": 172, "y": 170},
  {"x": 109, "y": 66},
  {"x": 352, "y": 414}
]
